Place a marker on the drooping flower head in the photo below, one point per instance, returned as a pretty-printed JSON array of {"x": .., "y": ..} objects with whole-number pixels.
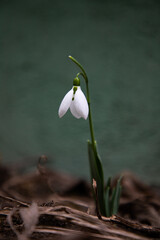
[{"x": 76, "y": 101}]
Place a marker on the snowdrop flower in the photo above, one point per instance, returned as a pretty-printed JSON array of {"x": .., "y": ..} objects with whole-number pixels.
[{"x": 76, "y": 101}]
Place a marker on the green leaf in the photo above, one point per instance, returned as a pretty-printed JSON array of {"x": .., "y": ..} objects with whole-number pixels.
[
  {"x": 116, "y": 197},
  {"x": 92, "y": 161},
  {"x": 97, "y": 173},
  {"x": 108, "y": 184},
  {"x": 108, "y": 202},
  {"x": 108, "y": 197}
]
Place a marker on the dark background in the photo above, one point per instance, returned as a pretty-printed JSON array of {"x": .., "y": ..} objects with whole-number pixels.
[{"x": 118, "y": 43}]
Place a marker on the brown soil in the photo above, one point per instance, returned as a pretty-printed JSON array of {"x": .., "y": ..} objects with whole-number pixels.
[{"x": 50, "y": 205}]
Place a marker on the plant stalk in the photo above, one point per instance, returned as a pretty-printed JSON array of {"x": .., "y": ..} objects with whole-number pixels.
[{"x": 83, "y": 73}]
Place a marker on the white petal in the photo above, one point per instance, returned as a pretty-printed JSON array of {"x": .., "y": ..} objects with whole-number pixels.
[
  {"x": 65, "y": 104},
  {"x": 81, "y": 104},
  {"x": 73, "y": 110}
]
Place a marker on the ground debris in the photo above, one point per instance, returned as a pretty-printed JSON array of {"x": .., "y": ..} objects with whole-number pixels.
[{"x": 70, "y": 213}]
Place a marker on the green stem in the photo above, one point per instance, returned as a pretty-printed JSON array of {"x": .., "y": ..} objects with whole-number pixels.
[
  {"x": 95, "y": 162},
  {"x": 96, "y": 165},
  {"x": 83, "y": 73}
]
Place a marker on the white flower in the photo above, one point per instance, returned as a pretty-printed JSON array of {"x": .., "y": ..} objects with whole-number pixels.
[{"x": 76, "y": 101}]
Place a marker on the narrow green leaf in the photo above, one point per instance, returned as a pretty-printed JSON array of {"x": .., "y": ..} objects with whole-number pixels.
[
  {"x": 108, "y": 184},
  {"x": 116, "y": 197},
  {"x": 112, "y": 199},
  {"x": 108, "y": 202},
  {"x": 99, "y": 164},
  {"x": 92, "y": 161},
  {"x": 97, "y": 174}
]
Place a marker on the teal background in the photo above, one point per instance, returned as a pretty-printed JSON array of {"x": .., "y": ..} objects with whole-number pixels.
[{"x": 118, "y": 43}]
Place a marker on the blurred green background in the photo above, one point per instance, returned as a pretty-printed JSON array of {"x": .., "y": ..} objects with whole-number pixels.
[{"x": 118, "y": 43}]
